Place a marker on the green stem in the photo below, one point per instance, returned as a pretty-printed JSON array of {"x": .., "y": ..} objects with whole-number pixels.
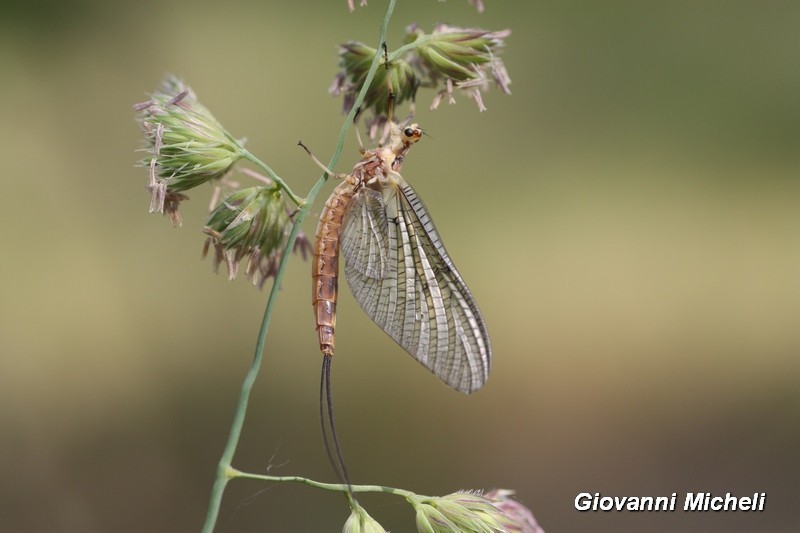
[
  {"x": 334, "y": 487},
  {"x": 224, "y": 465},
  {"x": 397, "y": 54},
  {"x": 274, "y": 177}
]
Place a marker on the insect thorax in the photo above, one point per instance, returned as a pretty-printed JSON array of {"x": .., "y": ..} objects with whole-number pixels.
[{"x": 375, "y": 169}]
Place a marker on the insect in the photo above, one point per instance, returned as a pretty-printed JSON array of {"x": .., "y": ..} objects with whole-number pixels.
[{"x": 398, "y": 269}]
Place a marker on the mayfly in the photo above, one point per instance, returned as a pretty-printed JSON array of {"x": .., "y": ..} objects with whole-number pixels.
[{"x": 398, "y": 270}]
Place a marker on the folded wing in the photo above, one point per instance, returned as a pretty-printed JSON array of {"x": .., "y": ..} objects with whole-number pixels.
[{"x": 403, "y": 278}]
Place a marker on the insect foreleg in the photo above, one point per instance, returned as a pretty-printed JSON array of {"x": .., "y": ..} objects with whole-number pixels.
[{"x": 320, "y": 164}]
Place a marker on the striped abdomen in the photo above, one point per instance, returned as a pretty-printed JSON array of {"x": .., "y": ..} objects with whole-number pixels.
[{"x": 325, "y": 266}]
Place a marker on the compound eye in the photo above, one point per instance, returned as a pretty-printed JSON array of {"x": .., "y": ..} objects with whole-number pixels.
[{"x": 408, "y": 132}]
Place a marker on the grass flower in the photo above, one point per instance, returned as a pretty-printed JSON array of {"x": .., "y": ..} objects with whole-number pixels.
[
  {"x": 450, "y": 58},
  {"x": 360, "y": 522},
  {"x": 460, "y": 58},
  {"x": 464, "y": 511},
  {"x": 187, "y": 146},
  {"x": 355, "y": 59},
  {"x": 526, "y": 523},
  {"x": 351, "y": 4},
  {"x": 251, "y": 224}
]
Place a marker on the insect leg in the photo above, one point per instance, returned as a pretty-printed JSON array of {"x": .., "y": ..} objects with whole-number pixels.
[
  {"x": 361, "y": 148},
  {"x": 390, "y": 103},
  {"x": 320, "y": 164}
]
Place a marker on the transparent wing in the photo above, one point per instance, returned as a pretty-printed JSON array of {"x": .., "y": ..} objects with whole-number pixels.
[{"x": 401, "y": 275}]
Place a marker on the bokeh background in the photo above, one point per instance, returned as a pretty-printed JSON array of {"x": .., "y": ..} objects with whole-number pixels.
[{"x": 628, "y": 221}]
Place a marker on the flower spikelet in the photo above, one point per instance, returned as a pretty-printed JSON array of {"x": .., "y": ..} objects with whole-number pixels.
[
  {"x": 251, "y": 224},
  {"x": 361, "y": 522},
  {"x": 355, "y": 58},
  {"x": 448, "y": 59},
  {"x": 187, "y": 146},
  {"x": 460, "y": 58},
  {"x": 463, "y": 511}
]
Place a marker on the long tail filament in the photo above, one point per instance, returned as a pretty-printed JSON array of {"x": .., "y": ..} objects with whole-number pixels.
[{"x": 326, "y": 400}]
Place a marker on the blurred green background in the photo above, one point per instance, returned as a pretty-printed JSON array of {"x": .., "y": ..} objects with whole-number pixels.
[{"x": 628, "y": 221}]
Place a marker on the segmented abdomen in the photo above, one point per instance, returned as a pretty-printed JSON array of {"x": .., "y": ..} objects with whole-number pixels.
[{"x": 325, "y": 266}]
